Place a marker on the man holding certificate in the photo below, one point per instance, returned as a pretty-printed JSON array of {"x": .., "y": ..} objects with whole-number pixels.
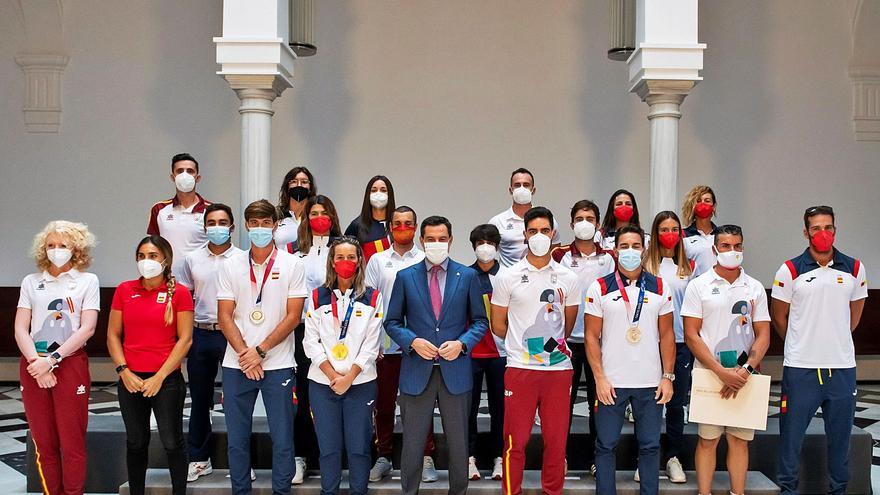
[
  {"x": 626, "y": 314},
  {"x": 727, "y": 327}
]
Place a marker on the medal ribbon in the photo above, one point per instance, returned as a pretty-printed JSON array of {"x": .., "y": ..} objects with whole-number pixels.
[
  {"x": 265, "y": 275},
  {"x": 623, "y": 294},
  {"x": 343, "y": 326}
]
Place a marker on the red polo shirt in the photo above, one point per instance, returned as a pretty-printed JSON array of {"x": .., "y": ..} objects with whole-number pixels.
[{"x": 146, "y": 339}]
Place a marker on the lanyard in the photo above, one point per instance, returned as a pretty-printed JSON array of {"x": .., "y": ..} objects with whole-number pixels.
[
  {"x": 265, "y": 275},
  {"x": 623, "y": 294},
  {"x": 343, "y": 326}
]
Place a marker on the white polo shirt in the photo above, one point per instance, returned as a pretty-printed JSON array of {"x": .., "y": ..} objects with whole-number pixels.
[
  {"x": 727, "y": 310},
  {"x": 819, "y": 334},
  {"x": 57, "y": 304},
  {"x": 677, "y": 285},
  {"x": 513, "y": 241},
  {"x": 628, "y": 365},
  {"x": 286, "y": 280},
  {"x": 698, "y": 248},
  {"x": 199, "y": 273},
  {"x": 286, "y": 231},
  {"x": 183, "y": 228},
  {"x": 536, "y": 300},
  {"x": 588, "y": 269},
  {"x": 380, "y": 274},
  {"x": 362, "y": 336}
]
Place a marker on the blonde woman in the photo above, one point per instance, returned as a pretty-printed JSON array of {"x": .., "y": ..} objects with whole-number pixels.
[
  {"x": 666, "y": 259},
  {"x": 57, "y": 312},
  {"x": 148, "y": 335},
  {"x": 697, "y": 211}
]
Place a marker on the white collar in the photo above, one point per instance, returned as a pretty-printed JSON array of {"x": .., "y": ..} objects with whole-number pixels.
[
  {"x": 72, "y": 273},
  {"x": 412, "y": 253},
  {"x": 740, "y": 280},
  {"x": 229, "y": 251}
]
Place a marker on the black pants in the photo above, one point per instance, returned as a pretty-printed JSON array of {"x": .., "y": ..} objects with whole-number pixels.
[
  {"x": 684, "y": 361},
  {"x": 493, "y": 369},
  {"x": 168, "y": 407},
  {"x": 579, "y": 363},
  {"x": 305, "y": 441}
]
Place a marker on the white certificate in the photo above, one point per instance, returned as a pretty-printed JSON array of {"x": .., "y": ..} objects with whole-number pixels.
[{"x": 747, "y": 410}]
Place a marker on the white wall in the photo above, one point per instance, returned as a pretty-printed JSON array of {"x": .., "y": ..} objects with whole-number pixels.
[{"x": 446, "y": 98}]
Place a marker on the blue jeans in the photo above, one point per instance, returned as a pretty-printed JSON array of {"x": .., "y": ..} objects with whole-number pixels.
[
  {"x": 681, "y": 387},
  {"x": 239, "y": 397},
  {"x": 205, "y": 356},
  {"x": 344, "y": 422},
  {"x": 804, "y": 390},
  {"x": 609, "y": 421}
]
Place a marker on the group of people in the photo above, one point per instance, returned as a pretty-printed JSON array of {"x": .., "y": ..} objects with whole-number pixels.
[{"x": 336, "y": 328}]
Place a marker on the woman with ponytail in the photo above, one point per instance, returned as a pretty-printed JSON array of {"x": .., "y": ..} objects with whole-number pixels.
[{"x": 148, "y": 335}]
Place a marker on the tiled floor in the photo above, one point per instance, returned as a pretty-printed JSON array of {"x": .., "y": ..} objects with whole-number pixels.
[{"x": 13, "y": 427}]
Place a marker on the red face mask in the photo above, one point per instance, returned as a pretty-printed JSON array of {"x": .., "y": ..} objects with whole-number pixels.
[
  {"x": 320, "y": 225},
  {"x": 703, "y": 210},
  {"x": 403, "y": 234},
  {"x": 345, "y": 268},
  {"x": 669, "y": 239},
  {"x": 623, "y": 213},
  {"x": 822, "y": 241}
]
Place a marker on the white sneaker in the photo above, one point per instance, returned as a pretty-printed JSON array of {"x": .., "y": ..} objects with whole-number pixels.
[
  {"x": 636, "y": 476},
  {"x": 381, "y": 469},
  {"x": 473, "y": 472},
  {"x": 675, "y": 471},
  {"x": 198, "y": 469},
  {"x": 300, "y": 475},
  {"x": 593, "y": 470},
  {"x": 253, "y": 475},
  {"x": 497, "y": 471},
  {"x": 429, "y": 472}
]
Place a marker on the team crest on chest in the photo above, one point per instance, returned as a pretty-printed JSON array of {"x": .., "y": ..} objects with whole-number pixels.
[
  {"x": 161, "y": 297},
  {"x": 524, "y": 279}
]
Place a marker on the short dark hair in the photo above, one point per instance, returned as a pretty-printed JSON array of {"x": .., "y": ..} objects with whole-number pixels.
[
  {"x": 629, "y": 229},
  {"x": 182, "y": 157},
  {"x": 537, "y": 212},
  {"x": 260, "y": 209},
  {"x": 817, "y": 210},
  {"x": 433, "y": 221},
  {"x": 585, "y": 204},
  {"x": 522, "y": 170},
  {"x": 404, "y": 209},
  {"x": 728, "y": 229},
  {"x": 218, "y": 207},
  {"x": 485, "y": 232}
]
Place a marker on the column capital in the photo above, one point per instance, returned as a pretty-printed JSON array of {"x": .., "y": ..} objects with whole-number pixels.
[
  {"x": 266, "y": 86},
  {"x": 43, "y": 81},
  {"x": 653, "y": 91}
]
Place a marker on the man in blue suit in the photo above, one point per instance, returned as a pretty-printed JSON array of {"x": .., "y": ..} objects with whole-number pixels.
[{"x": 437, "y": 316}]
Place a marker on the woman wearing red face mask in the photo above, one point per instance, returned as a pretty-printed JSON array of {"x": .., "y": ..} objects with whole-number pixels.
[
  {"x": 666, "y": 259},
  {"x": 315, "y": 234},
  {"x": 622, "y": 211},
  {"x": 343, "y": 323},
  {"x": 697, "y": 212}
]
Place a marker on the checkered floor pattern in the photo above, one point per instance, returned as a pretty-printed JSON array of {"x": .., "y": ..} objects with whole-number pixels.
[{"x": 103, "y": 400}]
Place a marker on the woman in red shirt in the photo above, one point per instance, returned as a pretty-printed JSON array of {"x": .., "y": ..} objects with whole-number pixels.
[{"x": 148, "y": 335}]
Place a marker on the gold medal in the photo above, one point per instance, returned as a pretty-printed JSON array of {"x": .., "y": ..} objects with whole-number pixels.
[
  {"x": 633, "y": 335},
  {"x": 339, "y": 351},
  {"x": 257, "y": 316}
]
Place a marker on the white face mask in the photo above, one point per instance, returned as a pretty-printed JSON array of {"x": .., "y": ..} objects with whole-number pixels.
[
  {"x": 436, "y": 252},
  {"x": 378, "y": 199},
  {"x": 150, "y": 268},
  {"x": 185, "y": 182},
  {"x": 485, "y": 252},
  {"x": 539, "y": 244},
  {"x": 730, "y": 259},
  {"x": 522, "y": 196},
  {"x": 59, "y": 256},
  {"x": 584, "y": 230}
]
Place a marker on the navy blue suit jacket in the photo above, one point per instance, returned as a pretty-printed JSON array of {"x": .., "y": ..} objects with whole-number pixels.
[{"x": 409, "y": 315}]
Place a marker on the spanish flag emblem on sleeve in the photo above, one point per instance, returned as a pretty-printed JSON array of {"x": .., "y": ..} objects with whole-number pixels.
[
  {"x": 373, "y": 247},
  {"x": 777, "y": 283}
]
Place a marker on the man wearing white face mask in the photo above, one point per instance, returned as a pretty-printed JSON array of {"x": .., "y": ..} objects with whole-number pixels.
[
  {"x": 727, "y": 327},
  {"x": 589, "y": 262},
  {"x": 180, "y": 219},
  {"x": 436, "y": 314},
  {"x": 510, "y": 222},
  {"x": 199, "y": 273},
  {"x": 534, "y": 306}
]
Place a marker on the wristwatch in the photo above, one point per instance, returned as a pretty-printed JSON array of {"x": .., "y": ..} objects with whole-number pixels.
[
  {"x": 261, "y": 352},
  {"x": 57, "y": 357},
  {"x": 122, "y": 367},
  {"x": 748, "y": 367},
  {"x": 669, "y": 376},
  {"x": 463, "y": 348}
]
